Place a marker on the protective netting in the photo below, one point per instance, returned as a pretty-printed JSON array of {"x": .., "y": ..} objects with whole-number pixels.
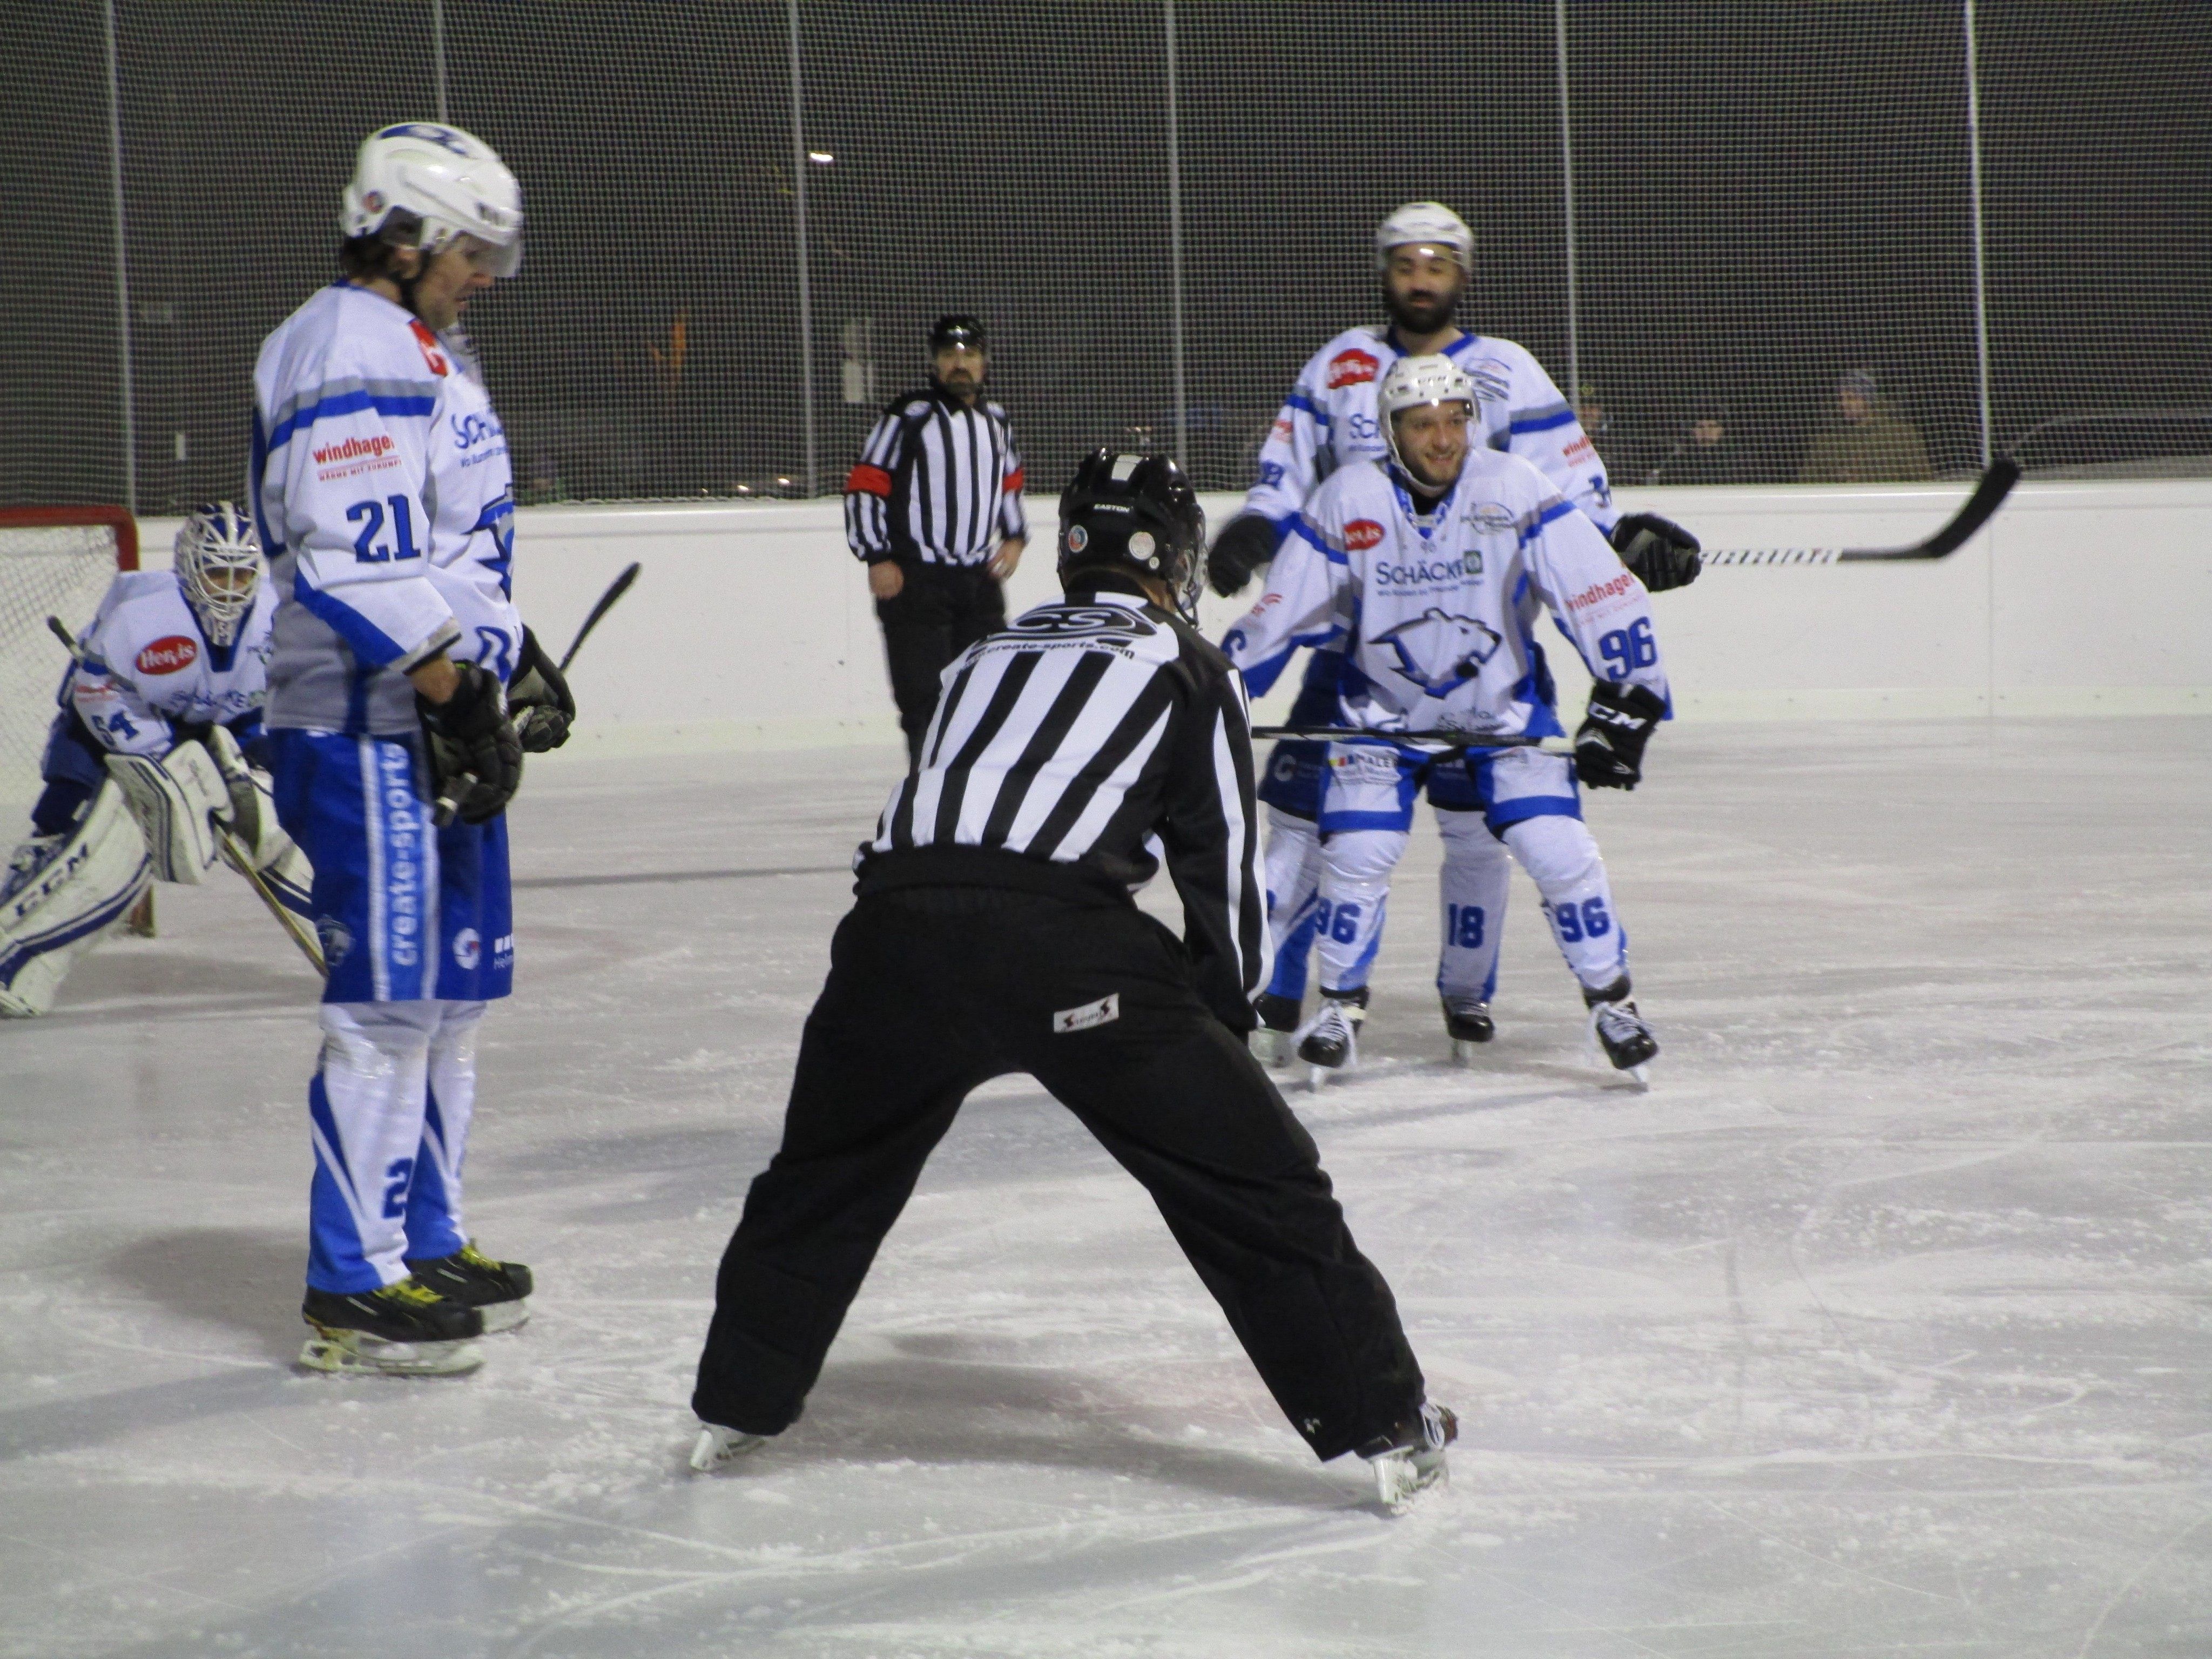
[
  {"x": 45, "y": 570},
  {"x": 742, "y": 216}
]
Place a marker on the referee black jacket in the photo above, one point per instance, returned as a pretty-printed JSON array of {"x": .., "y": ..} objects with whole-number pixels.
[{"x": 1071, "y": 751}]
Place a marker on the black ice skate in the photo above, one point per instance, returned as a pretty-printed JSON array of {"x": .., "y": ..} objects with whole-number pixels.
[
  {"x": 1625, "y": 1034},
  {"x": 1278, "y": 1024},
  {"x": 404, "y": 1329},
  {"x": 500, "y": 1290},
  {"x": 1414, "y": 1460},
  {"x": 1330, "y": 1041},
  {"x": 1468, "y": 1023}
]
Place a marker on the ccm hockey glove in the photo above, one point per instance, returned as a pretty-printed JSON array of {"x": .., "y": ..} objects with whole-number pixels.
[
  {"x": 1660, "y": 552},
  {"x": 538, "y": 699},
  {"x": 1609, "y": 743},
  {"x": 1246, "y": 543},
  {"x": 476, "y": 759}
]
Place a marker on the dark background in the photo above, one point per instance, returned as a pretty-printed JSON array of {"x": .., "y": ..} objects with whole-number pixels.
[{"x": 1767, "y": 192}]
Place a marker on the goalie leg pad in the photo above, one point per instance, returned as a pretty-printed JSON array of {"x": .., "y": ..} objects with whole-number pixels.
[
  {"x": 69, "y": 892},
  {"x": 177, "y": 800}
]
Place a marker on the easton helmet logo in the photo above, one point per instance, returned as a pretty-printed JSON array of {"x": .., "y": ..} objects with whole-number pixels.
[
  {"x": 443, "y": 137},
  {"x": 1362, "y": 534},
  {"x": 1352, "y": 367},
  {"x": 167, "y": 656}
]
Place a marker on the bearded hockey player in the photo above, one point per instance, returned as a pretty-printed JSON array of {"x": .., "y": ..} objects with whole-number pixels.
[
  {"x": 385, "y": 495},
  {"x": 155, "y": 762},
  {"x": 1424, "y": 254},
  {"x": 1430, "y": 572}
]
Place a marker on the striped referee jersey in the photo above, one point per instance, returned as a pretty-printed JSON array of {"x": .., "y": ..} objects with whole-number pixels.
[
  {"x": 937, "y": 482},
  {"x": 1081, "y": 743}
]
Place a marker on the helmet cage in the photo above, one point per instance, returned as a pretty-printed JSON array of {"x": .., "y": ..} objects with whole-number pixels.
[{"x": 218, "y": 539}]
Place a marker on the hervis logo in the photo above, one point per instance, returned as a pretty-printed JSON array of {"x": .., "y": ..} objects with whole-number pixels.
[
  {"x": 1352, "y": 367},
  {"x": 1361, "y": 534},
  {"x": 167, "y": 655}
]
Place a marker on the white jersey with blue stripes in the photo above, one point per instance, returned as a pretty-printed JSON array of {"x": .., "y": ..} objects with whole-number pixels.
[
  {"x": 145, "y": 665},
  {"x": 382, "y": 487},
  {"x": 1330, "y": 421},
  {"x": 1437, "y": 612}
]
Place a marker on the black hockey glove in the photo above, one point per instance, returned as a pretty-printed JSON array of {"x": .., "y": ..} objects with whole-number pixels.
[
  {"x": 538, "y": 699},
  {"x": 1609, "y": 743},
  {"x": 1246, "y": 543},
  {"x": 1660, "y": 552},
  {"x": 476, "y": 759}
]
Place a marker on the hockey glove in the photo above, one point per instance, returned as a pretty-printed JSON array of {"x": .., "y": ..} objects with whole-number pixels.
[
  {"x": 1246, "y": 541},
  {"x": 1609, "y": 743},
  {"x": 476, "y": 759},
  {"x": 538, "y": 699},
  {"x": 1660, "y": 552}
]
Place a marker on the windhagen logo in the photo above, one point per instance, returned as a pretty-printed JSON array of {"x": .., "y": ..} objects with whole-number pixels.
[{"x": 354, "y": 449}]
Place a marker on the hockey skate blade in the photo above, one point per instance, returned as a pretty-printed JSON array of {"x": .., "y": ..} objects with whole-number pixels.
[
  {"x": 1402, "y": 1476},
  {"x": 1466, "y": 1052},
  {"x": 1270, "y": 1047},
  {"x": 718, "y": 1447},
  {"x": 357, "y": 1353},
  {"x": 505, "y": 1315}
]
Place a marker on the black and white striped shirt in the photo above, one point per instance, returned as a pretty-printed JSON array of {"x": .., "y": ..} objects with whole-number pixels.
[
  {"x": 1080, "y": 743},
  {"x": 937, "y": 482}
]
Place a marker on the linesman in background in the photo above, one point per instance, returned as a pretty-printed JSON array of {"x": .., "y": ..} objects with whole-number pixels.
[
  {"x": 937, "y": 483},
  {"x": 995, "y": 932}
]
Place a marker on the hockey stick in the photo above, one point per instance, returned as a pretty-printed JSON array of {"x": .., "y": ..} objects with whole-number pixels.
[
  {"x": 1988, "y": 495},
  {"x": 1440, "y": 743},
  {"x": 234, "y": 851},
  {"x": 616, "y": 589}
]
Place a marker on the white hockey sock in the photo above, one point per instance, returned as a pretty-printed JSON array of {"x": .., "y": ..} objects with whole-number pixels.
[
  {"x": 1355, "y": 891},
  {"x": 1473, "y": 884},
  {"x": 366, "y": 1104},
  {"x": 1293, "y": 877},
  {"x": 435, "y": 1224},
  {"x": 1561, "y": 856}
]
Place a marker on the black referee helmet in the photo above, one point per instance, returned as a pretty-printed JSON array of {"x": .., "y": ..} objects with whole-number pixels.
[
  {"x": 1134, "y": 513},
  {"x": 956, "y": 329}
]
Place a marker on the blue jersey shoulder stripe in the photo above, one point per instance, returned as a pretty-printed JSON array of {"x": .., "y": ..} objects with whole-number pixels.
[
  {"x": 349, "y": 402},
  {"x": 1546, "y": 422},
  {"x": 1301, "y": 526},
  {"x": 370, "y": 643}
]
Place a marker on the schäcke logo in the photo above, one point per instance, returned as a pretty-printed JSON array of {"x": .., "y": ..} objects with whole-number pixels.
[
  {"x": 168, "y": 654},
  {"x": 1361, "y": 534},
  {"x": 1352, "y": 367}
]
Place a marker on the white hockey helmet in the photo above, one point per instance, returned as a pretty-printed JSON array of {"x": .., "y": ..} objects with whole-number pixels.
[
  {"x": 445, "y": 182},
  {"x": 1431, "y": 224},
  {"x": 1413, "y": 382},
  {"x": 219, "y": 567}
]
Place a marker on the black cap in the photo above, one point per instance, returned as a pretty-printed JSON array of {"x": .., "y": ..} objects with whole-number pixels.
[{"x": 957, "y": 328}]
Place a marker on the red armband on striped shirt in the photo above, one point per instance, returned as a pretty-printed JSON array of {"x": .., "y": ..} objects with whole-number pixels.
[{"x": 865, "y": 480}]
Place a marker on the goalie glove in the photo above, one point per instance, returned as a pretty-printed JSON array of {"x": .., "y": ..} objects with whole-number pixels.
[
  {"x": 1609, "y": 743},
  {"x": 538, "y": 699},
  {"x": 1246, "y": 541},
  {"x": 476, "y": 759},
  {"x": 1660, "y": 553}
]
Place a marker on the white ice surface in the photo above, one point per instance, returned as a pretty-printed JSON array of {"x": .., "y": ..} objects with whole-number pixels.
[{"x": 1878, "y": 1327}]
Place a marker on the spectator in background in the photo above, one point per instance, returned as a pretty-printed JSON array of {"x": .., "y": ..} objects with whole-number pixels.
[
  {"x": 1868, "y": 442},
  {"x": 1707, "y": 450}
]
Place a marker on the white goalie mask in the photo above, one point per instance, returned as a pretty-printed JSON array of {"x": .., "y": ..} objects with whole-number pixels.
[
  {"x": 1412, "y": 382},
  {"x": 1430, "y": 224},
  {"x": 218, "y": 565},
  {"x": 444, "y": 182}
]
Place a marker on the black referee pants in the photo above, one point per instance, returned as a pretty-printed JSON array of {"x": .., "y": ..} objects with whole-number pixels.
[
  {"x": 932, "y": 991},
  {"x": 942, "y": 610}
]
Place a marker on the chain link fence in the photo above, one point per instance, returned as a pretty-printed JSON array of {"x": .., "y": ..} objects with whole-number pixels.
[{"x": 743, "y": 215}]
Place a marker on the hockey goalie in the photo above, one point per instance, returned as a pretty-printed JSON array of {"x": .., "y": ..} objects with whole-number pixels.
[{"x": 154, "y": 766}]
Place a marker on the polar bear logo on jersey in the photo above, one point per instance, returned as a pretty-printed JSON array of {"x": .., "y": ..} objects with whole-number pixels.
[{"x": 1440, "y": 651}]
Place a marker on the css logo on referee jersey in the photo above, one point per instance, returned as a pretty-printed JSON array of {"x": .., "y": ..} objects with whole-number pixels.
[{"x": 1083, "y": 622}]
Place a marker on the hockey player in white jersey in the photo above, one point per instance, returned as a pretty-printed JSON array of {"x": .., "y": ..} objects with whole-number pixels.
[
  {"x": 1423, "y": 252},
  {"x": 156, "y": 757},
  {"x": 385, "y": 495},
  {"x": 1430, "y": 572}
]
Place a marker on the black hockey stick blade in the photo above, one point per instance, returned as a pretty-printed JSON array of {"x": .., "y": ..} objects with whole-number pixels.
[
  {"x": 616, "y": 589},
  {"x": 1441, "y": 741},
  {"x": 1988, "y": 495}
]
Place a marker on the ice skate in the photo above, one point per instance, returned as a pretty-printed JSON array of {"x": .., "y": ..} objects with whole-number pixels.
[
  {"x": 719, "y": 1447},
  {"x": 1624, "y": 1035},
  {"x": 1468, "y": 1023},
  {"x": 1414, "y": 1461},
  {"x": 1329, "y": 1042},
  {"x": 1278, "y": 1024},
  {"x": 403, "y": 1330},
  {"x": 500, "y": 1290}
]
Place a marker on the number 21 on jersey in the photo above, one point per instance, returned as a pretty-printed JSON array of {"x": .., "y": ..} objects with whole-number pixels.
[{"x": 369, "y": 515}]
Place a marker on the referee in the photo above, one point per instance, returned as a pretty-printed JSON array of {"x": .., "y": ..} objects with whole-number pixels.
[
  {"x": 937, "y": 482},
  {"x": 995, "y": 932}
]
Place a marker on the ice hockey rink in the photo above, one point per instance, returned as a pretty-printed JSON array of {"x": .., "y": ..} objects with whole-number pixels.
[{"x": 1878, "y": 1326}]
